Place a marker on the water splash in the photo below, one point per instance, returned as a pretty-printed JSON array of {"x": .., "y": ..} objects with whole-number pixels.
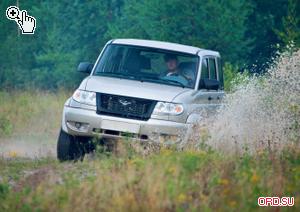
[{"x": 262, "y": 112}]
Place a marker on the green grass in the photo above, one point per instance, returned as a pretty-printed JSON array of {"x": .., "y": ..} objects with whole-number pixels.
[{"x": 164, "y": 180}]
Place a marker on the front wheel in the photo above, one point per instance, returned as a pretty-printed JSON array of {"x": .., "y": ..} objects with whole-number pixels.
[{"x": 69, "y": 147}]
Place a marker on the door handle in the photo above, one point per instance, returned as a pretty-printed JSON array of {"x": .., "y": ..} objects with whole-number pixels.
[{"x": 210, "y": 98}]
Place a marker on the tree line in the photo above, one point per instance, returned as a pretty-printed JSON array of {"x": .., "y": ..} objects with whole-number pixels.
[{"x": 248, "y": 33}]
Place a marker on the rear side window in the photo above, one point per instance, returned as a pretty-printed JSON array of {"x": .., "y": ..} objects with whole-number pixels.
[
  {"x": 221, "y": 73},
  {"x": 204, "y": 72},
  {"x": 212, "y": 69}
]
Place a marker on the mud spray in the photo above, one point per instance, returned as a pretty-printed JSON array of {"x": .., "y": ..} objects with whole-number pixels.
[{"x": 261, "y": 112}]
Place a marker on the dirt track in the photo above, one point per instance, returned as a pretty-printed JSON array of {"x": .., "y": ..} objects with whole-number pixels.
[{"x": 27, "y": 147}]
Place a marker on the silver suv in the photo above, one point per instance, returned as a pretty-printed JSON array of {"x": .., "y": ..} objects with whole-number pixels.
[{"x": 142, "y": 89}]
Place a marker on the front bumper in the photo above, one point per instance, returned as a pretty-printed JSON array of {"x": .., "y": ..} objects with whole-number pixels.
[{"x": 82, "y": 122}]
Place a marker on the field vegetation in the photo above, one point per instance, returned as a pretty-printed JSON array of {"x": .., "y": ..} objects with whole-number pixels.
[
  {"x": 166, "y": 181},
  {"x": 131, "y": 178},
  {"x": 251, "y": 149}
]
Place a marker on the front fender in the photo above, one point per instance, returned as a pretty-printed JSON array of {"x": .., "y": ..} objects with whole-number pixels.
[
  {"x": 193, "y": 118},
  {"x": 63, "y": 122}
]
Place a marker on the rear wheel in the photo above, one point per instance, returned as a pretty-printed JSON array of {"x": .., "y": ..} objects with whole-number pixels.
[{"x": 69, "y": 147}]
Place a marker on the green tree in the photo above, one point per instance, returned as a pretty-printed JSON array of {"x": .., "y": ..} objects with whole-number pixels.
[
  {"x": 290, "y": 24},
  {"x": 218, "y": 25},
  {"x": 74, "y": 32},
  {"x": 67, "y": 32},
  {"x": 245, "y": 32},
  {"x": 265, "y": 18}
]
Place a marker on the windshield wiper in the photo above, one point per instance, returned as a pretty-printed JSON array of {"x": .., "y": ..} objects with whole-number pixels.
[
  {"x": 174, "y": 82},
  {"x": 164, "y": 81},
  {"x": 119, "y": 75}
]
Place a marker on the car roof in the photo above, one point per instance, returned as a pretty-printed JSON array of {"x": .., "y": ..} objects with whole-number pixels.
[{"x": 166, "y": 46}]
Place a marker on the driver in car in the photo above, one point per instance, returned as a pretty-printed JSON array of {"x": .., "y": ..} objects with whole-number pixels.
[
  {"x": 172, "y": 65},
  {"x": 173, "y": 71}
]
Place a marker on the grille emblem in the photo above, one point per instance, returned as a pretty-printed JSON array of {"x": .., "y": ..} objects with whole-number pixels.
[{"x": 124, "y": 102}]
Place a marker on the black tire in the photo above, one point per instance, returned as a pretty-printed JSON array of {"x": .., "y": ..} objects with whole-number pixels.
[{"x": 69, "y": 147}]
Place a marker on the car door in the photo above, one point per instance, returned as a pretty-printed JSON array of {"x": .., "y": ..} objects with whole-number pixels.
[
  {"x": 214, "y": 74},
  {"x": 206, "y": 99},
  {"x": 211, "y": 69}
]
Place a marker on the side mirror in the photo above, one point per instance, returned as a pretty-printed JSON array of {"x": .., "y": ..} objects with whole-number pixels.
[
  {"x": 211, "y": 84},
  {"x": 85, "y": 67}
]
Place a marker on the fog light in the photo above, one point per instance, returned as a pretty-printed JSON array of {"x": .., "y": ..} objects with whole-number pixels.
[{"x": 78, "y": 126}]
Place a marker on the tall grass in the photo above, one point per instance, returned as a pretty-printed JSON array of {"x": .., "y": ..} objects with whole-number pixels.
[
  {"x": 166, "y": 181},
  {"x": 30, "y": 112},
  {"x": 30, "y": 122}
]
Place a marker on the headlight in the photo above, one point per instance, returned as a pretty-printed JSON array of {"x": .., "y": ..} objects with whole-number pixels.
[
  {"x": 165, "y": 108},
  {"x": 85, "y": 97}
]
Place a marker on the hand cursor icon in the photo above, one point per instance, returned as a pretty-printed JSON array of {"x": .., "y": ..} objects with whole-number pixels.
[{"x": 25, "y": 22}]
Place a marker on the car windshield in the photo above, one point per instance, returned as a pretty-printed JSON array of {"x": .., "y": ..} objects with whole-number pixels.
[{"x": 148, "y": 65}]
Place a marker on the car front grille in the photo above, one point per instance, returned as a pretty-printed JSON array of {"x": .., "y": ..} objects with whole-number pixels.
[{"x": 125, "y": 107}]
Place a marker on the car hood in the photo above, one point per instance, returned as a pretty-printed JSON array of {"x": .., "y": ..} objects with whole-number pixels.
[{"x": 133, "y": 88}]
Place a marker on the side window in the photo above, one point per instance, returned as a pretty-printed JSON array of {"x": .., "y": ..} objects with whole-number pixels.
[
  {"x": 212, "y": 69},
  {"x": 220, "y": 71},
  {"x": 204, "y": 69},
  {"x": 204, "y": 72}
]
